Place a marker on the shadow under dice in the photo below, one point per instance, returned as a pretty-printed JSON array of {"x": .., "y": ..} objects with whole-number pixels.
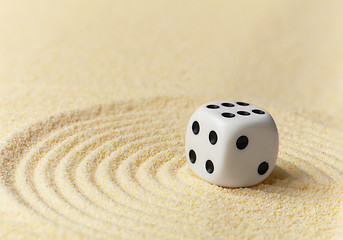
[{"x": 232, "y": 144}]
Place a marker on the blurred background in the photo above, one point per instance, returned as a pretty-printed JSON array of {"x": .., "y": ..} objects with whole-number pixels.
[{"x": 59, "y": 55}]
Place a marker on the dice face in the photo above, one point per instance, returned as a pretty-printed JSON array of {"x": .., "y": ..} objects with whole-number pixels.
[{"x": 231, "y": 144}]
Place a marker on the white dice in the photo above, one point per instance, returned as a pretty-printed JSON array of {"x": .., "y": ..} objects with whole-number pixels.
[{"x": 232, "y": 144}]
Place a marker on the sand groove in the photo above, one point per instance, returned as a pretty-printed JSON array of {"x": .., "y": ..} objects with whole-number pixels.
[{"x": 119, "y": 171}]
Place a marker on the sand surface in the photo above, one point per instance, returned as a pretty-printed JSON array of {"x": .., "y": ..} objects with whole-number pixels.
[{"x": 95, "y": 98}]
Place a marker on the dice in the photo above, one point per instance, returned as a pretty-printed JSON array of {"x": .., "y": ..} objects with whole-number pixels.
[{"x": 231, "y": 144}]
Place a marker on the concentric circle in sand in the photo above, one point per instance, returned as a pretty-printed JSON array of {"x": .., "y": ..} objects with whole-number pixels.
[{"x": 119, "y": 171}]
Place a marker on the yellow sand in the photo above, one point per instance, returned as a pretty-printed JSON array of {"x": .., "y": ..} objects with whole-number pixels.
[{"x": 94, "y": 101}]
